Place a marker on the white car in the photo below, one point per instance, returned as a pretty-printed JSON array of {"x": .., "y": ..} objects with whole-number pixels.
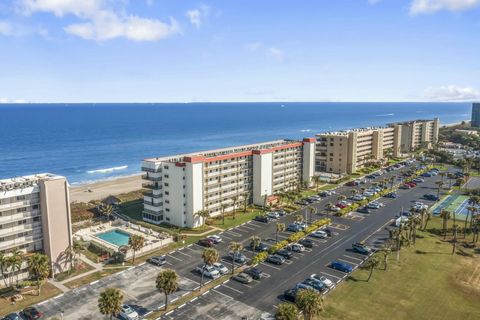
[
  {"x": 273, "y": 215},
  {"x": 208, "y": 271},
  {"x": 322, "y": 279},
  {"x": 368, "y": 194},
  {"x": 215, "y": 238},
  {"x": 297, "y": 247},
  {"x": 374, "y": 205},
  {"x": 345, "y": 203},
  {"x": 358, "y": 197},
  {"x": 335, "y": 208},
  {"x": 319, "y": 234},
  {"x": 126, "y": 312},
  {"x": 220, "y": 268}
]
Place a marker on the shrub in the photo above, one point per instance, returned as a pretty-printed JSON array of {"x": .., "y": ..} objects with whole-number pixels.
[
  {"x": 27, "y": 283},
  {"x": 260, "y": 257},
  {"x": 278, "y": 246},
  {"x": 296, "y": 236}
]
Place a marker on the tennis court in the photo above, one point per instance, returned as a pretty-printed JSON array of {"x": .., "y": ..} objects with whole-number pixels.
[{"x": 453, "y": 203}]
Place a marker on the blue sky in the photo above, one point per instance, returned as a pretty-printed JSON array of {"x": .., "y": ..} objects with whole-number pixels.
[{"x": 232, "y": 50}]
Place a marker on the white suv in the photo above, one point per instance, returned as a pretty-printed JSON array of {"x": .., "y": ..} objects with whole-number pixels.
[
  {"x": 208, "y": 271},
  {"x": 128, "y": 313}
]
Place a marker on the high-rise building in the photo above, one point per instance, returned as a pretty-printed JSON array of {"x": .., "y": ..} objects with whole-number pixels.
[
  {"x": 347, "y": 151},
  {"x": 475, "y": 114},
  {"x": 35, "y": 217},
  {"x": 223, "y": 179}
]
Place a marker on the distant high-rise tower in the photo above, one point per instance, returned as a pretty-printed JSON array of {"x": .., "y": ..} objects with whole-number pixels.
[{"x": 476, "y": 114}]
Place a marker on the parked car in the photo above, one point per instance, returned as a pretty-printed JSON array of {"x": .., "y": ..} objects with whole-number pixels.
[
  {"x": 287, "y": 254},
  {"x": 405, "y": 186},
  {"x": 392, "y": 195},
  {"x": 324, "y": 194},
  {"x": 206, "y": 242},
  {"x": 208, "y": 271},
  {"x": 426, "y": 174},
  {"x": 307, "y": 243},
  {"x": 341, "y": 205},
  {"x": 12, "y": 316},
  {"x": 157, "y": 260},
  {"x": 341, "y": 266},
  {"x": 260, "y": 247},
  {"x": 328, "y": 232},
  {"x": 294, "y": 227},
  {"x": 300, "y": 246},
  {"x": 374, "y": 205},
  {"x": 31, "y": 313},
  {"x": 361, "y": 248},
  {"x": 242, "y": 278},
  {"x": 363, "y": 210},
  {"x": 358, "y": 197},
  {"x": 254, "y": 272},
  {"x": 418, "y": 180},
  {"x": 329, "y": 283},
  {"x": 412, "y": 184},
  {"x": 273, "y": 215},
  {"x": 220, "y": 268},
  {"x": 303, "y": 286},
  {"x": 319, "y": 234},
  {"x": 368, "y": 194},
  {"x": 290, "y": 295},
  {"x": 216, "y": 239},
  {"x": 315, "y": 284},
  {"x": 127, "y": 313},
  {"x": 238, "y": 257},
  {"x": 334, "y": 208},
  {"x": 352, "y": 183},
  {"x": 262, "y": 218},
  {"x": 275, "y": 259},
  {"x": 281, "y": 213},
  {"x": 431, "y": 197}
]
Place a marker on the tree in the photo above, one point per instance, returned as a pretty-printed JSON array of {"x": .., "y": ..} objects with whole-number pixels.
[
  {"x": 371, "y": 264},
  {"x": 298, "y": 218},
  {"x": 280, "y": 227},
  {"x": 254, "y": 243},
  {"x": 316, "y": 180},
  {"x": 341, "y": 197},
  {"x": 439, "y": 185},
  {"x": 105, "y": 210},
  {"x": 246, "y": 198},
  {"x": 167, "y": 283},
  {"x": 223, "y": 206},
  {"x": 385, "y": 251},
  {"x": 209, "y": 256},
  {"x": 39, "y": 268},
  {"x": 136, "y": 242},
  {"x": 287, "y": 311},
  {"x": 203, "y": 214},
  {"x": 16, "y": 260},
  {"x": 236, "y": 248},
  {"x": 78, "y": 247},
  {"x": 110, "y": 302},
  {"x": 311, "y": 211},
  {"x": 470, "y": 210},
  {"x": 234, "y": 203},
  {"x": 454, "y": 240},
  {"x": 392, "y": 181},
  {"x": 310, "y": 302},
  {"x": 4, "y": 265},
  {"x": 445, "y": 215}
]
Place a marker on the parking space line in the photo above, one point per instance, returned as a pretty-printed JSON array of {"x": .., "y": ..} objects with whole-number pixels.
[
  {"x": 346, "y": 261},
  {"x": 174, "y": 257},
  {"x": 248, "y": 227},
  {"x": 330, "y": 275},
  {"x": 233, "y": 233},
  {"x": 224, "y": 236},
  {"x": 184, "y": 254},
  {"x": 269, "y": 265},
  {"x": 233, "y": 289},
  {"x": 353, "y": 257},
  {"x": 224, "y": 294}
]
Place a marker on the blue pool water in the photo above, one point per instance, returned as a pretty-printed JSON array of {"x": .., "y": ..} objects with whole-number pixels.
[{"x": 115, "y": 237}]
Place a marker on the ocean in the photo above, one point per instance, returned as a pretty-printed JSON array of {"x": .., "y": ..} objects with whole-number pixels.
[{"x": 91, "y": 142}]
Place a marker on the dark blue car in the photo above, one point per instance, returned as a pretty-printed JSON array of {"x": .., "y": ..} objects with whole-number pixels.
[
  {"x": 392, "y": 195},
  {"x": 341, "y": 266},
  {"x": 431, "y": 197}
]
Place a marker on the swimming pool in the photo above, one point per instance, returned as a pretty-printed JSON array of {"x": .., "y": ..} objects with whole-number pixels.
[{"x": 115, "y": 237}]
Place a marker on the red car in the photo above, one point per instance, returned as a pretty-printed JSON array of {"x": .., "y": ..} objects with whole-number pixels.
[
  {"x": 206, "y": 242},
  {"x": 352, "y": 183},
  {"x": 341, "y": 205},
  {"x": 412, "y": 184},
  {"x": 406, "y": 186},
  {"x": 31, "y": 313}
]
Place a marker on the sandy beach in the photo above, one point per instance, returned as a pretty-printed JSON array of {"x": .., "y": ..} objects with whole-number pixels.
[{"x": 103, "y": 189}]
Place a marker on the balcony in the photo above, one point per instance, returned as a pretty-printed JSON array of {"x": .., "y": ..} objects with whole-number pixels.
[
  {"x": 147, "y": 211},
  {"x": 150, "y": 178},
  {"x": 20, "y": 216},
  {"x": 151, "y": 186},
  {"x": 153, "y": 204},
  {"x": 153, "y": 195},
  {"x": 151, "y": 170}
]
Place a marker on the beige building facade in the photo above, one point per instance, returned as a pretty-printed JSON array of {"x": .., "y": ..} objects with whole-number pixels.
[
  {"x": 347, "y": 151},
  {"x": 35, "y": 217},
  {"x": 223, "y": 179}
]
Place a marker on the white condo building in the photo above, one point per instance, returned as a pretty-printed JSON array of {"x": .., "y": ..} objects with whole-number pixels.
[
  {"x": 183, "y": 185},
  {"x": 35, "y": 217}
]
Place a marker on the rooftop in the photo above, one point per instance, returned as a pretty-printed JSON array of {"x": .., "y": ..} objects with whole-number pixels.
[{"x": 26, "y": 181}]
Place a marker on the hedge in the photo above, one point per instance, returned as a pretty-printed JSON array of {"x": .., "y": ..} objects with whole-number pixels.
[{"x": 259, "y": 257}]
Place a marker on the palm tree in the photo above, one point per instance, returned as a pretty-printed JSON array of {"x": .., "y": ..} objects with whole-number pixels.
[
  {"x": 209, "y": 256},
  {"x": 78, "y": 247},
  {"x": 439, "y": 187},
  {"x": 287, "y": 311},
  {"x": 298, "y": 218},
  {"x": 136, "y": 242},
  {"x": 254, "y": 243},
  {"x": 341, "y": 197},
  {"x": 236, "y": 248},
  {"x": 4, "y": 265},
  {"x": 105, "y": 210},
  {"x": 310, "y": 302},
  {"x": 223, "y": 206},
  {"x": 311, "y": 211},
  {"x": 371, "y": 264},
  {"x": 16, "y": 260},
  {"x": 280, "y": 227},
  {"x": 385, "y": 251},
  {"x": 392, "y": 181},
  {"x": 470, "y": 210},
  {"x": 246, "y": 198},
  {"x": 39, "y": 268},
  {"x": 110, "y": 302},
  {"x": 450, "y": 177},
  {"x": 203, "y": 214},
  {"x": 416, "y": 221},
  {"x": 167, "y": 283},
  {"x": 454, "y": 241},
  {"x": 234, "y": 202},
  {"x": 316, "y": 180},
  {"x": 445, "y": 215}
]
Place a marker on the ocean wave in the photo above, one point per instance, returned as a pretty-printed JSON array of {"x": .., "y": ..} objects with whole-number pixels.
[
  {"x": 306, "y": 130},
  {"x": 107, "y": 170},
  {"x": 93, "y": 181},
  {"x": 385, "y": 115}
]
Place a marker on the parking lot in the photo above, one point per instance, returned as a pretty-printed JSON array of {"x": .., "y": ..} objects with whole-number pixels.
[{"x": 260, "y": 297}]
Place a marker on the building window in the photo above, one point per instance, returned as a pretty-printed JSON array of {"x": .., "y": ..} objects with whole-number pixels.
[
  {"x": 168, "y": 210},
  {"x": 21, "y": 209},
  {"x": 166, "y": 175},
  {"x": 167, "y": 193},
  {"x": 166, "y": 184},
  {"x": 165, "y": 167},
  {"x": 21, "y": 197}
]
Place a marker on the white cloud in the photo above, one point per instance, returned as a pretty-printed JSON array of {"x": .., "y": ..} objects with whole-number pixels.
[
  {"x": 452, "y": 93},
  {"x": 101, "y": 22},
  {"x": 276, "y": 54},
  {"x": 253, "y": 46},
  {"x": 431, "y": 6},
  {"x": 5, "y": 100},
  {"x": 198, "y": 16},
  {"x": 12, "y": 29}
]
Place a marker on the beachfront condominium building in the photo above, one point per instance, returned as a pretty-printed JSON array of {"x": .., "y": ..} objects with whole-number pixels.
[
  {"x": 35, "y": 217},
  {"x": 223, "y": 179},
  {"x": 475, "y": 115},
  {"x": 347, "y": 151}
]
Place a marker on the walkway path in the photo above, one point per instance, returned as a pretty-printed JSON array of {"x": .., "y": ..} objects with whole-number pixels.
[{"x": 212, "y": 228}]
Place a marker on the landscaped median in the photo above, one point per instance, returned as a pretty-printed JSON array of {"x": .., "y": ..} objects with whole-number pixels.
[{"x": 262, "y": 256}]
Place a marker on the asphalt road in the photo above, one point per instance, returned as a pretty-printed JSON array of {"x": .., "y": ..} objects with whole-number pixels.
[{"x": 232, "y": 299}]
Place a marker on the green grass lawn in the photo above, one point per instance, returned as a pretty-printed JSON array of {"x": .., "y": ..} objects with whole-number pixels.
[
  {"x": 92, "y": 277},
  {"x": 240, "y": 217},
  {"x": 428, "y": 283},
  {"x": 80, "y": 268},
  {"x": 47, "y": 291}
]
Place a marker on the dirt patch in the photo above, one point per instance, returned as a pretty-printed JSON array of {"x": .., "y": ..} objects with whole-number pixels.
[{"x": 467, "y": 277}]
